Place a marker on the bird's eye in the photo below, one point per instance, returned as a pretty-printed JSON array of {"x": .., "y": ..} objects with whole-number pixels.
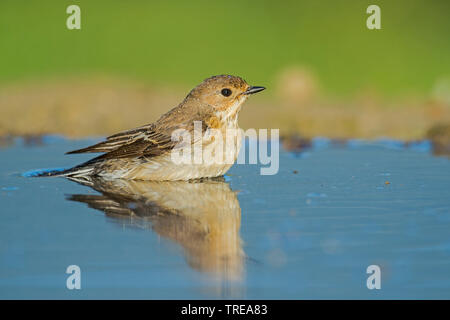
[{"x": 226, "y": 92}]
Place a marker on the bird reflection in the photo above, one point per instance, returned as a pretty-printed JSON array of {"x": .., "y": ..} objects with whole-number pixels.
[{"x": 202, "y": 216}]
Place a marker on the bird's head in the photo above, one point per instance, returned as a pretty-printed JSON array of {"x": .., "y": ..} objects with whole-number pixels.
[{"x": 225, "y": 93}]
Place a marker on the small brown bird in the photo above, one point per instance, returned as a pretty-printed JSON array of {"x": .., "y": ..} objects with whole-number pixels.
[{"x": 145, "y": 153}]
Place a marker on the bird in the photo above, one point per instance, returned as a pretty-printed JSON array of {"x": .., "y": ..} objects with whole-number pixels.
[{"x": 147, "y": 152}]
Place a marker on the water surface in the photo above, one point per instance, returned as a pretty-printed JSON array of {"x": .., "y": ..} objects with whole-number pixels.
[{"x": 308, "y": 232}]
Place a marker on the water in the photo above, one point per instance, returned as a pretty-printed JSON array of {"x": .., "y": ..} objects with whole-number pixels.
[{"x": 308, "y": 232}]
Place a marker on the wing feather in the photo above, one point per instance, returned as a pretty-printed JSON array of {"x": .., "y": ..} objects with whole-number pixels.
[
  {"x": 144, "y": 141},
  {"x": 116, "y": 141},
  {"x": 149, "y": 140}
]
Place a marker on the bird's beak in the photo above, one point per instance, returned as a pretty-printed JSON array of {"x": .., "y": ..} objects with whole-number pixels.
[{"x": 253, "y": 90}]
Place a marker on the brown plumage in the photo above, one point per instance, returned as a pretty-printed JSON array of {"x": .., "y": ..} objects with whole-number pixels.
[{"x": 144, "y": 152}]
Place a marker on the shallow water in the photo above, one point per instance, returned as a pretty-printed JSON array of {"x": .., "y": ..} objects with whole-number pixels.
[{"x": 310, "y": 231}]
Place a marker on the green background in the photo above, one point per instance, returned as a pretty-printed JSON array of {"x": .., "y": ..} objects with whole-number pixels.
[{"x": 183, "y": 42}]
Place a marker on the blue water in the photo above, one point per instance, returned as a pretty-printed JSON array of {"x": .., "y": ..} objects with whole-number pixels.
[{"x": 308, "y": 232}]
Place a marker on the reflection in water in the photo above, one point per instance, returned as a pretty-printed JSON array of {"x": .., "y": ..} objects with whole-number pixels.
[{"x": 203, "y": 217}]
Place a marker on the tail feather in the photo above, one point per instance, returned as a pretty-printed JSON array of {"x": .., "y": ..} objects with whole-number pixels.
[{"x": 77, "y": 171}]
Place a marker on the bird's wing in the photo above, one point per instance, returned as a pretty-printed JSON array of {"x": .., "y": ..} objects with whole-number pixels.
[
  {"x": 117, "y": 140},
  {"x": 142, "y": 141},
  {"x": 149, "y": 140},
  {"x": 150, "y": 145}
]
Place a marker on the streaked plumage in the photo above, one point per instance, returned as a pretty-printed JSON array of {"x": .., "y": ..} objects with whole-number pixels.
[{"x": 144, "y": 153}]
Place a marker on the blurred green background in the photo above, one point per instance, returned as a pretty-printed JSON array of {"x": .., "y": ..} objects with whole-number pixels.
[
  {"x": 182, "y": 42},
  {"x": 326, "y": 72}
]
